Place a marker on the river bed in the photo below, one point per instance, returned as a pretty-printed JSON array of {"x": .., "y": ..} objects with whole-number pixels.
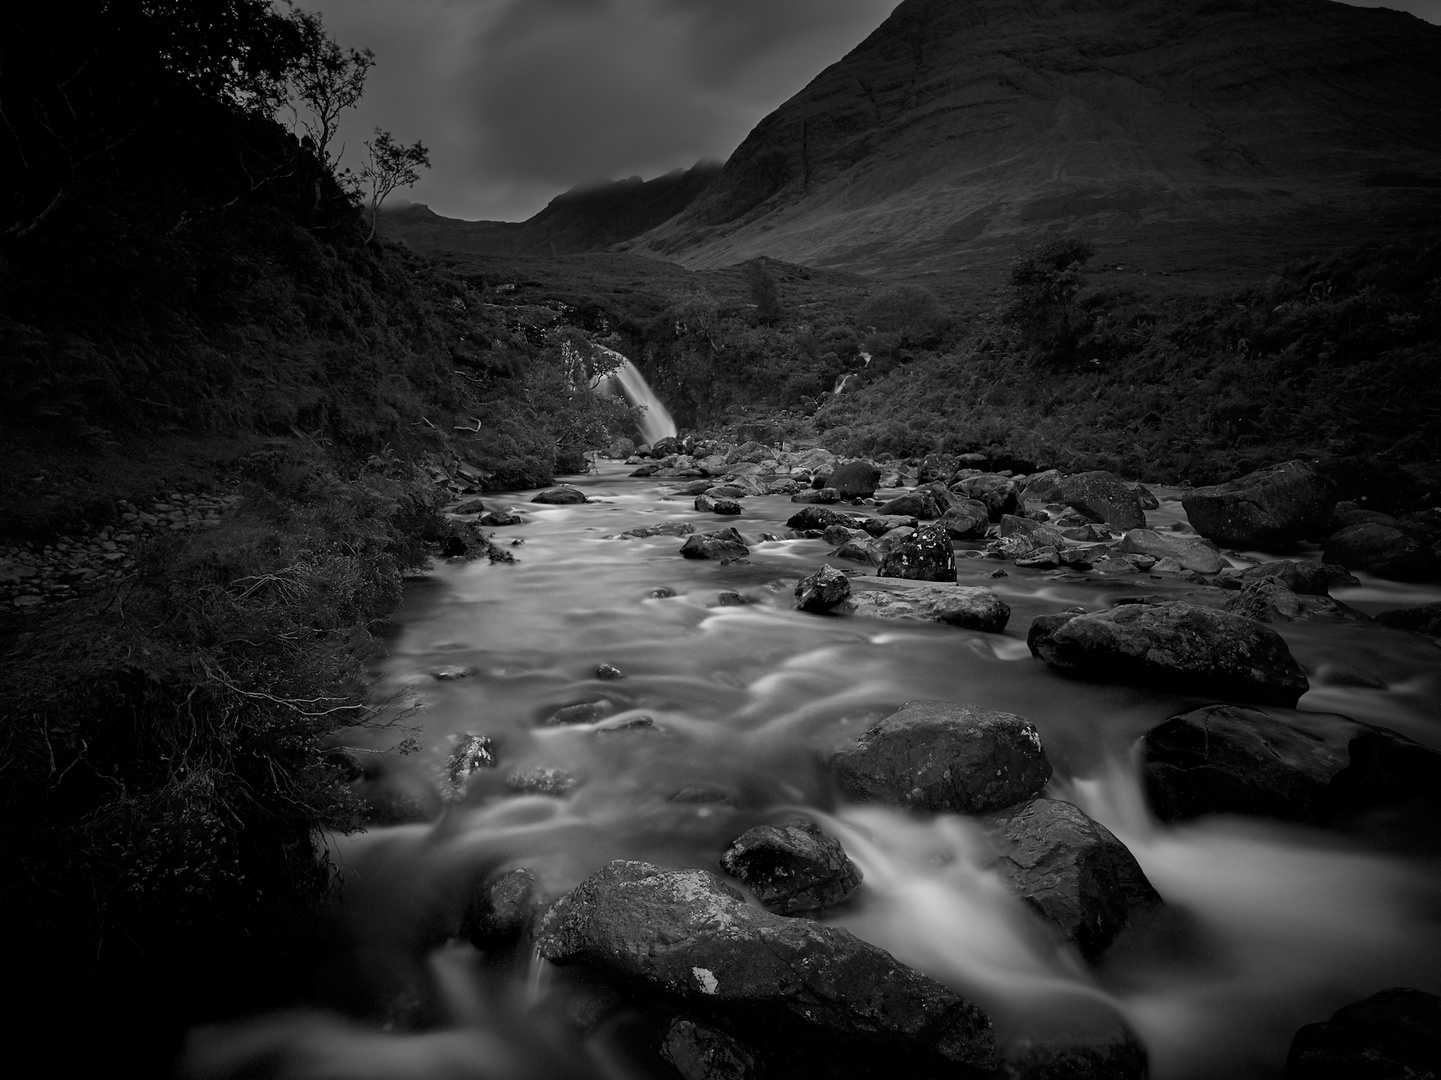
[{"x": 1266, "y": 927}]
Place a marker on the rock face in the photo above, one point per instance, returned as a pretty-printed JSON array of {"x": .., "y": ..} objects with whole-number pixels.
[
  {"x": 1392, "y": 1035},
  {"x": 687, "y": 933},
  {"x": 1193, "y": 554},
  {"x": 1381, "y": 550},
  {"x": 792, "y": 868},
  {"x": 1072, "y": 870},
  {"x": 940, "y": 756},
  {"x": 561, "y": 496},
  {"x": 1100, "y": 496},
  {"x": 1268, "y": 509},
  {"x": 1175, "y": 645},
  {"x": 970, "y": 607},
  {"x": 822, "y": 590},
  {"x": 855, "y": 480},
  {"x": 925, "y": 555},
  {"x": 1229, "y": 759}
]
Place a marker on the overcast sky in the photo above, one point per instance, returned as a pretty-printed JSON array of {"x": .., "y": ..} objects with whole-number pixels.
[{"x": 519, "y": 100}]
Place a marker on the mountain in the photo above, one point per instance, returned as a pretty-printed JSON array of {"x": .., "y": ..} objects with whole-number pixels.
[
  {"x": 1210, "y": 139},
  {"x": 587, "y": 218}
]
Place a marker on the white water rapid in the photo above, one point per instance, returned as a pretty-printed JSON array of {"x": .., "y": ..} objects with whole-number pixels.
[
  {"x": 624, "y": 378},
  {"x": 1266, "y": 927}
]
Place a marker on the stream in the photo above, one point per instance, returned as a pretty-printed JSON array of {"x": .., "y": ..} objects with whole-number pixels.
[{"x": 1266, "y": 926}]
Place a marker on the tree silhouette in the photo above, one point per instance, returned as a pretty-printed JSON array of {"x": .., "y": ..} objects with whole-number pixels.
[
  {"x": 326, "y": 80},
  {"x": 389, "y": 166}
]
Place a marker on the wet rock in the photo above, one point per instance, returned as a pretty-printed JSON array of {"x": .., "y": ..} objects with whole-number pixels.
[
  {"x": 1100, "y": 1048},
  {"x": 1037, "y": 532},
  {"x": 941, "y": 756},
  {"x": 1071, "y": 870},
  {"x": 499, "y": 519},
  {"x": 561, "y": 496},
  {"x": 635, "y": 723},
  {"x": 921, "y": 505},
  {"x": 999, "y": 494},
  {"x": 502, "y": 910},
  {"x": 817, "y": 495},
  {"x": 1422, "y": 619},
  {"x": 454, "y": 671},
  {"x": 1266, "y": 599},
  {"x": 837, "y": 534},
  {"x": 687, "y": 933},
  {"x": 1267, "y": 509},
  {"x": 816, "y": 517},
  {"x": 1047, "y": 558},
  {"x": 609, "y": 671},
  {"x": 471, "y": 754},
  {"x": 699, "y": 1052},
  {"x": 1229, "y": 759},
  {"x": 1191, "y": 553},
  {"x": 1101, "y": 496},
  {"x": 725, "y": 544},
  {"x": 970, "y": 607},
  {"x": 925, "y": 555},
  {"x": 664, "y": 528},
  {"x": 792, "y": 868},
  {"x": 1385, "y": 769},
  {"x": 881, "y": 524},
  {"x": 1042, "y": 487},
  {"x": 472, "y": 506},
  {"x": 822, "y": 590},
  {"x": 1300, "y": 576},
  {"x": 1392, "y": 1035},
  {"x": 730, "y": 598},
  {"x": 1378, "y": 549},
  {"x": 855, "y": 480},
  {"x": 541, "y": 780},
  {"x": 663, "y": 592},
  {"x": 1178, "y": 646},
  {"x": 966, "y": 519},
  {"x": 584, "y": 712}
]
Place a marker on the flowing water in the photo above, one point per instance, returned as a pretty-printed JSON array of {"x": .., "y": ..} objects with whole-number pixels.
[
  {"x": 655, "y": 421},
  {"x": 1266, "y": 926}
]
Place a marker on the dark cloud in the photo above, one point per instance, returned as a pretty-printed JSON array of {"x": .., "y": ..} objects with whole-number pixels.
[{"x": 519, "y": 100}]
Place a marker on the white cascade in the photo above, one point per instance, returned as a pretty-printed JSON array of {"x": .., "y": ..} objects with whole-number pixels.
[{"x": 626, "y": 380}]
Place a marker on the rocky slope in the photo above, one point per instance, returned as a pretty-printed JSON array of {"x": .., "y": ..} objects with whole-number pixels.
[
  {"x": 1205, "y": 138},
  {"x": 586, "y": 218}
]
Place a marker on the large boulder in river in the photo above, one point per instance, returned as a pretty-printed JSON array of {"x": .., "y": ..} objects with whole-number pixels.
[
  {"x": 941, "y": 756},
  {"x": 925, "y": 555},
  {"x": 792, "y": 868},
  {"x": 1101, "y": 496},
  {"x": 1391, "y": 1035},
  {"x": 970, "y": 607},
  {"x": 999, "y": 493},
  {"x": 818, "y": 517},
  {"x": 724, "y": 544},
  {"x": 1071, "y": 870},
  {"x": 1268, "y": 509},
  {"x": 822, "y": 590},
  {"x": 1190, "y": 552},
  {"x": 561, "y": 496},
  {"x": 1381, "y": 550},
  {"x": 855, "y": 480},
  {"x": 1422, "y": 619},
  {"x": 688, "y": 934},
  {"x": 920, "y": 504},
  {"x": 1177, "y": 646},
  {"x": 966, "y": 519}
]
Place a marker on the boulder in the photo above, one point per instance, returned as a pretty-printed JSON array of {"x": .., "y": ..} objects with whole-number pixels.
[
  {"x": 999, "y": 493},
  {"x": 1038, "y": 532},
  {"x": 1391, "y": 1035},
  {"x": 471, "y": 754},
  {"x": 1265, "y": 599},
  {"x": 966, "y": 519},
  {"x": 925, "y": 555},
  {"x": 1043, "y": 487},
  {"x": 1381, "y": 550},
  {"x": 970, "y": 607},
  {"x": 700, "y": 1052},
  {"x": 882, "y": 524},
  {"x": 936, "y": 466},
  {"x": 502, "y": 910},
  {"x": 941, "y": 756},
  {"x": 817, "y": 495},
  {"x": 1071, "y": 870},
  {"x": 1267, "y": 509},
  {"x": 688, "y": 934},
  {"x": 1190, "y": 552},
  {"x": 1310, "y": 578},
  {"x": 856, "y": 480},
  {"x": 822, "y": 590},
  {"x": 725, "y": 544},
  {"x": 1181, "y": 647},
  {"x": 1083, "y": 1048},
  {"x": 792, "y": 868},
  {"x": 750, "y": 451},
  {"x": 817, "y": 517},
  {"x": 666, "y": 447},
  {"x": 726, "y": 507},
  {"x": 498, "y": 519},
  {"x": 561, "y": 496},
  {"x": 583, "y": 712},
  {"x": 541, "y": 780},
  {"x": 917, "y": 504},
  {"x": 1231, "y": 759},
  {"x": 1422, "y": 619},
  {"x": 1102, "y": 496}
]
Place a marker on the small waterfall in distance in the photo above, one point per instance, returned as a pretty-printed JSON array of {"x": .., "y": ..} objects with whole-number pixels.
[{"x": 626, "y": 380}]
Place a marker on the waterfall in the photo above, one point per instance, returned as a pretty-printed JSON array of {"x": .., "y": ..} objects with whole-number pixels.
[
  {"x": 841, "y": 382},
  {"x": 655, "y": 421}
]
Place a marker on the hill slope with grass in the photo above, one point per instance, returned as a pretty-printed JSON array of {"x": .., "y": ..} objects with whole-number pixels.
[{"x": 1209, "y": 141}]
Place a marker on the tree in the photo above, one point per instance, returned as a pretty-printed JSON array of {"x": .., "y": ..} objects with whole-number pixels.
[
  {"x": 326, "y": 80},
  {"x": 390, "y": 166},
  {"x": 1043, "y": 284}
]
